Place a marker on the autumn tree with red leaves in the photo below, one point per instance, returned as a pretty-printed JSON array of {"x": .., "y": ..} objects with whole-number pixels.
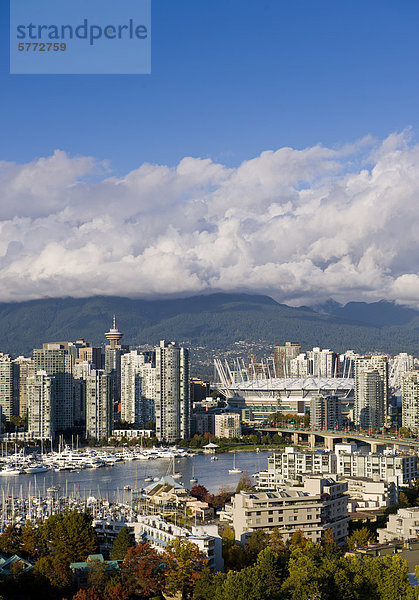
[{"x": 142, "y": 571}]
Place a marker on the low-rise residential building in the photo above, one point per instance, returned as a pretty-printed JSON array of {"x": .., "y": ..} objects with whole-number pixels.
[
  {"x": 404, "y": 525},
  {"x": 131, "y": 434},
  {"x": 108, "y": 527},
  {"x": 320, "y": 505},
  {"x": 367, "y": 494},
  {"x": 401, "y": 468},
  {"x": 291, "y": 465},
  {"x": 159, "y": 533}
]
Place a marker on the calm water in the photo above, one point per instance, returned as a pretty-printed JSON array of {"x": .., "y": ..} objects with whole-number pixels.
[{"x": 110, "y": 481}]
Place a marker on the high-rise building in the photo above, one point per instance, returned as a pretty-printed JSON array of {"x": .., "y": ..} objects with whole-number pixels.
[
  {"x": 9, "y": 386},
  {"x": 199, "y": 389},
  {"x": 99, "y": 408},
  {"x": 81, "y": 371},
  {"x": 172, "y": 401},
  {"x": 57, "y": 358},
  {"x": 26, "y": 368},
  {"x": 326, "y": 412},
  {"x": 87, "y": 352},
  {"x": 369, "y": 399},
  {"x": 136, "y": 407},
  {"x": 371, "y": 391},
  {"x": 323, "y": 362},
  {"x": 283, "y": 354},
  {"x": 410, "y": 400},
  {"x": 399, "y": 365},
  {"x": 40, "y": 397}
]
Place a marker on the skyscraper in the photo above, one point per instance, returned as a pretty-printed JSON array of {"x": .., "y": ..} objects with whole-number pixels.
[
  {"x": 137, "y": 390},
  {"x": 369, "y": 399},
  {"x": 57, "y": 358},
  {"x": 99, "y": 408},
  {"x": 371, "y": 390},
  {"x": 9, "y": 386},
  {"x": 172, "y": 401},
  {"x": 40, "y": 397},
  {"x": 26, "y": 368},
  {"x": 283, "y": 354},
  {"x": 410, "y": 400}
]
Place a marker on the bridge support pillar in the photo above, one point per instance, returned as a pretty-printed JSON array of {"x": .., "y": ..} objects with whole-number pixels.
[
  {"x": 295, "y": 439},
  {"x": 329, "y": 443},
  {"x": 312, "y": 440}
]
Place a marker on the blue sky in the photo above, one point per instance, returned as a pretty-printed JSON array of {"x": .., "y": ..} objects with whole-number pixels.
[
  {"x": 230, "y": 78},
  {"x": 269, "y": 100}
]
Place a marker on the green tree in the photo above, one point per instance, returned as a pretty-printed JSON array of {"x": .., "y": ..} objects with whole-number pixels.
[
  {"x": 73, "y": 537},
  {"x": 204, "y": 588},
  {"x": 256, "y": 543},
  {"x": 360, "y": 537},
  {"x": 10, "y": 540},
  {"x": 245, "y": 482},
  {"x": 276, "y": 542},
  {"x": 184, "y": 564},
  {"x": 298, "y": 540},
  {"x": 29, "y": 541},
  {"x": 122, "y": 543},
  {"x": 269, "y": 574},
  {"x": 55, "y": 570},
  {"x": 403, "y": 500},
  {"x": 97, "y": 575}
]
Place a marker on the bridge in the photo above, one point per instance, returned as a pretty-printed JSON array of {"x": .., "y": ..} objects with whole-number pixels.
[{"x": 330, "y": 438}]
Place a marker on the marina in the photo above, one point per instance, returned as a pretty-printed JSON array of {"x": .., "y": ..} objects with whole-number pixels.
[{"x": 121, "y": 481}]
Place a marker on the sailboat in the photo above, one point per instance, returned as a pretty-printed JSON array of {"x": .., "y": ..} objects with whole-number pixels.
[
  {"x": 235, "y": 469},
  {"x": 193, "y": 479},
  {"x": 175, "y": 475}
]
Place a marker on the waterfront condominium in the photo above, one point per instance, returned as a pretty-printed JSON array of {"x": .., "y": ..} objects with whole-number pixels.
[
  {"x": 172, "y": 400},
  {"x": 26, "y": 368},
  {"x": 99, "y": 407},
  {"x": 57, "y": 358},
  {"x": 137, "y": 389},
  {"x": 9, "y": 386},
  {"x": 40, "y": 398}
]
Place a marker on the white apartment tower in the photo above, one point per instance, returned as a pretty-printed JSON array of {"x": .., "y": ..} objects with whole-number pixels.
[
  {"x": 9, "y": 386},
  {"x": 371, "y": 391},
  {"x": 137, "y": 388},
  {"x": 172, "y": 402},
  {"x": 57, "y": 358},
  {"x": 99, "y": 406},
  {"x": 410, "y": 400},
  {"x": 40, "y": 390}
]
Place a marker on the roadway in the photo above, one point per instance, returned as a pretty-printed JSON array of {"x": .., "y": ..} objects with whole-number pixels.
[{"x": 384, "y": 440}]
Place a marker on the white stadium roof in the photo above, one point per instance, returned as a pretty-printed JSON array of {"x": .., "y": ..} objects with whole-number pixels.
[{"x": 295, "y": 383}]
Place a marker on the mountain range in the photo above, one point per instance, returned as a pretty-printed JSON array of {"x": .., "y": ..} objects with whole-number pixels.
[{"x": 215, "y": 321}]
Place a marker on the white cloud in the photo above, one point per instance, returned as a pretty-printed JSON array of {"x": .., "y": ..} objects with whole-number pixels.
[{"x": 300, "y": 225}]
